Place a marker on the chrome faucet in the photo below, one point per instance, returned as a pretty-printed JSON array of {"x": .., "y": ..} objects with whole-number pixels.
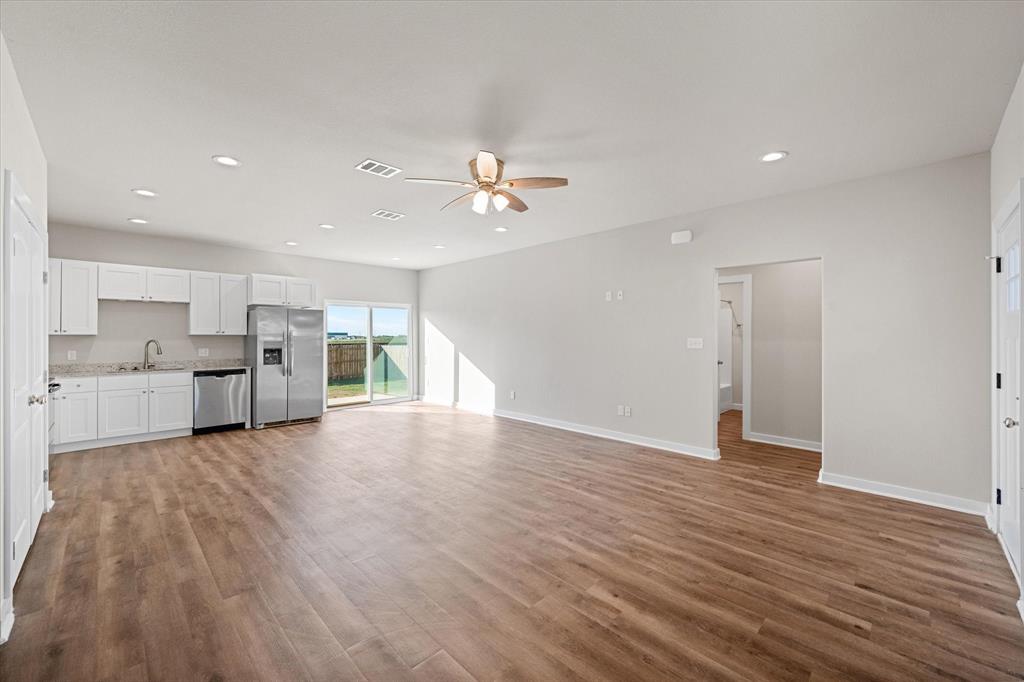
[{"x": 146, "y": 364}]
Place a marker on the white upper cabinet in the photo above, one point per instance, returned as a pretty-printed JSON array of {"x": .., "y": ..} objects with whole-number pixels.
[
  {"x": 280, "y": 290},
  {"x": 165, "y": 285},
  {"x": 234, "y": 300},
  {"x": 218, "y": 304},
  {"x": 122, "y": 282},
  {"x": 53, "y": 281},
  {"x": 204, "y": 307},
  {"x": 73, "y": 303},
  {"x": 268, "y": 289},
  {"x": 301, "y": 292}
]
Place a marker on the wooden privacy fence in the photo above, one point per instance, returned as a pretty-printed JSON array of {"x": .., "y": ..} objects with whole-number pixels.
[{"x": 348, "y": 360}]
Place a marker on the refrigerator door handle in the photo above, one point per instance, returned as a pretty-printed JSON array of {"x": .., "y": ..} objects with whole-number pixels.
[{"x": 291, "y": 362}]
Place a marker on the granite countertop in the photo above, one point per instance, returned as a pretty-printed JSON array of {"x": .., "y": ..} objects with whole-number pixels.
[{"x": 121, "y": 368}]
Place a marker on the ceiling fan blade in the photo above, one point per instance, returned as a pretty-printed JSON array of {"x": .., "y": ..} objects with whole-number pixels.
[
  {"x": 535, "y": 183},
  {"x": 433, "y": 181},
  {"x": 487, "y": 165},
  {"x": 514, "y": 202},
  {"x": 458, "y": 201}
]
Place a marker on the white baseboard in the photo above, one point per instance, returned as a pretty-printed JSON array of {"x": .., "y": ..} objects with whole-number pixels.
[
  {"x": 1020, "y": 608},
  {"x": 49, "y": 500},
  {"x": 811, "y": 445},
  {"x": 120, "y": 440},
  {"x": 1006, "y": 553},
  {"x": 736, "y": 406},
  {"x": 6, "y": 619},
  {"x": 960, "y": 504},
  {"x": 432, "y": 400},
  {"x": 670, "y": 446},
  {"x": 475, "y": 409}
]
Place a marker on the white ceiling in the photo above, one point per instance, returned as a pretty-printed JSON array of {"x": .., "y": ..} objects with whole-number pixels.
[{"x": 650, "y": 110}]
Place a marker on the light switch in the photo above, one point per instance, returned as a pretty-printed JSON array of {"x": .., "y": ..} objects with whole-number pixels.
[
  {"x": 607, "y": 295},
  {"x": 512, "y": 395},
  {"x": 618, "y": 294},
  {"x": 72, "y": 355},
  {"x": 204, "y": 352},
  {"x": 621, "y": 410},
  {"x": 629, "y": 411},
  {"x": 694, "y": 343}
]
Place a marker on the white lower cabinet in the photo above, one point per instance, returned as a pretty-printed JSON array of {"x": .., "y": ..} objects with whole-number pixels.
[
  {"x": 170, "y": 407},
  {"x": 75, "y": 417},
  {"x": 123, "y": 412}
]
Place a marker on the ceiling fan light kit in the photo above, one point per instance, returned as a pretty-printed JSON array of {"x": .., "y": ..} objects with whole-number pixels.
[{"x": 489, "y": 189}]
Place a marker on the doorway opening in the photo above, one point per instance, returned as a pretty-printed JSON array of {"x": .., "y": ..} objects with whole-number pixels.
[
  {"x": 768, "y": 342},
  {"x": 369, "y": 358}
]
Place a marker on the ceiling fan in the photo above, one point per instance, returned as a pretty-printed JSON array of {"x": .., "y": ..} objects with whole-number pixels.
[{"x": 488, "y": 187}]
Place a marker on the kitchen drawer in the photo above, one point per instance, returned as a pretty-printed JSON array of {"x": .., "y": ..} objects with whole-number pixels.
[
  {"x": 122, "y": 382},
  {"x": 76, "y": 384},
  {"x": 161, "y": 379}
]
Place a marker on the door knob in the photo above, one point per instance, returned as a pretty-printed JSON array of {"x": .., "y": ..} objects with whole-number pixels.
[{"x": 1010, "y": 422}]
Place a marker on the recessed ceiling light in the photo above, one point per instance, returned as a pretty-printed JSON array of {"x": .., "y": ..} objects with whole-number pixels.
[
  {"x": 501, "y": 229},
  {"x": 395, "y": 258},
  {"x": 326, "y": 226},
  {"x": 138, "y": 221},
  {"x": 291, "y": 243},
  {"x": 144, "y": 192},
  {"x": 774, "y": 156},
  {"x": 438, "y": 246},
  {"x": 229, "y": 161}
]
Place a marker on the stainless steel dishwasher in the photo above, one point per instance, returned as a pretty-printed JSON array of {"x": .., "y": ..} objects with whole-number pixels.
[{"x": 221, "y": 398}]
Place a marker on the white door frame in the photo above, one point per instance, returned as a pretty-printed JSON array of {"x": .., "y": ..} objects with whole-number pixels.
[
  {"x": 747, "y": 281},
  {"x": 1011, "y": 203},
  {"x": 14, "y": 199},
  {"x": 370, "y": 305}
]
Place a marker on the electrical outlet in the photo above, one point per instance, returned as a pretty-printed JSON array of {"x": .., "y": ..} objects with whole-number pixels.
[
  {"x": 620, "y": 410},
  {"x": 607, "y": 295},
  {"x": 204, "y": 352},
  {"x": 618, "y": 294},
  {"x": 512, "y": 395},
  {"x": 629, "y": 411},
  {"x": 72, "y": 355}
]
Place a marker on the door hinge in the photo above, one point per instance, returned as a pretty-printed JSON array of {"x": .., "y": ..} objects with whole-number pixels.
[
  {"x": 999, "y": 495},
  {"x": 46, "y": 277},
  {"x": 999, "y": 379},
  {"x": 999, "y": 264},
  {"x": 46, "y": 475}
]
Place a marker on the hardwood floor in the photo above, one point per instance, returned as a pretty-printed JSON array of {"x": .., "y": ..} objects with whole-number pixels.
[{"x": 410, "y": 542}]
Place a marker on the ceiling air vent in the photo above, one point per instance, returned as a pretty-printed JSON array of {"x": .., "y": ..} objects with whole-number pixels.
[
  {"x": 377, "y": 168},
  {"x": 388, "y": 215}
]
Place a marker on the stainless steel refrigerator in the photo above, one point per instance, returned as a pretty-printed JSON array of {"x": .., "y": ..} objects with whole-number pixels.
[{"x": 285, "y": 348}]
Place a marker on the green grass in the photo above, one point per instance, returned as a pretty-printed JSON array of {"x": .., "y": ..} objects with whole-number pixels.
[{"x": 352, "y": 388}]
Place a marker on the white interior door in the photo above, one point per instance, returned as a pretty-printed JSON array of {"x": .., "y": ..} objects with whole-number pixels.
[
  {"x": 1008, "y": 321},
  {"x": 27, "y": 375},
  {"x": 724, "y": 356}
]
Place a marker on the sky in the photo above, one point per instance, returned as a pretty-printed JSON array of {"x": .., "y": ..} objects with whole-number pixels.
[{"x": 352, "y": 319}]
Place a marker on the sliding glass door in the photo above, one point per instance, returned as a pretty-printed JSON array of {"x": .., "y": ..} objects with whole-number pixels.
[
  {"x": 390, "y": 353},
  {"x": 368, "y": 354}
]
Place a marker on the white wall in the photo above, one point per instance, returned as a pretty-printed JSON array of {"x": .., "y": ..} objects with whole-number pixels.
[
  {"x": 905, "y": 298},
  {"x": 125, "y": 326},
  {"x": 1008, "y": 148},
  {"x": 20, "y": 152},
  {"x": 785, "y": 336}
]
